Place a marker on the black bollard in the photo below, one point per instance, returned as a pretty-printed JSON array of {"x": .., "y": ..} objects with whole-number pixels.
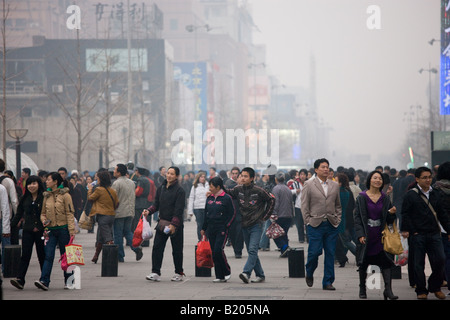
[
  {"x": 201, "y": 272},
  {"x": 12, "y": 260},
  {"x": 296, "y": 257},
  {"x": 110, "y": 260}
]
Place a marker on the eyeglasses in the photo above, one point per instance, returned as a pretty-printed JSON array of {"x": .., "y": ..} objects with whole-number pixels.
[{"x": 426, "y": 178}]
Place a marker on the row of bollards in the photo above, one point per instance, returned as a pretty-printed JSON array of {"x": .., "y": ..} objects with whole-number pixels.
[{"x": 110, "y": 265}]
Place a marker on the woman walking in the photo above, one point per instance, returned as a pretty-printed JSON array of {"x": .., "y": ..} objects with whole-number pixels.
[
  {"x": 57, "y": 217},
  {"x": 197, "y": 200},
  {"x": 373, "y": 211},
  {"x": 220, "y": 213},
  {"x": 105, "y": 202},
  {"x": 170, "y": 202},
  {"x": 28, "y": 214}
]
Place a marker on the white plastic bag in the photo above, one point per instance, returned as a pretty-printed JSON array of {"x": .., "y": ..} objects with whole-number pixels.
[
  {"x": 147, "y": 232},
  {"x": 402, "y": 259}
]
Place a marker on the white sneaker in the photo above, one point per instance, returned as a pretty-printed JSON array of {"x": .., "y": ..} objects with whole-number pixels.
[
  {"x": 228, "y": 277},
  {"x": 153, "y": 277},
  {"x": 177, "y": 277},
  {"x": 219, "y": 280},
  {"x": 244, "y": 277},
  {"x": 258, "y": 279}
]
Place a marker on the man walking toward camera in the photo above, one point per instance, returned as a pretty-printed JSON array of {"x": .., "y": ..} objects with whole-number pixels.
[
  {"x": 423, "y": 216},
  {"x": 321, "y": 209}
]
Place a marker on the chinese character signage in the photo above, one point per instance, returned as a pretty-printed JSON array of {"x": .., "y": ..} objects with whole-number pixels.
[
  {"x": 445, "y": 57},
  {"x": 194, "y": 76}
]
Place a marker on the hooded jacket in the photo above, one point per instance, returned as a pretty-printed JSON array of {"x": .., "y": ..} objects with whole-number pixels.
[{"x": 58, "y": 208}]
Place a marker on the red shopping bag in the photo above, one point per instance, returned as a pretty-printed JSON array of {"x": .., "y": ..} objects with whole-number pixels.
[
  {"x": 204, "y": 254},
  {"x": 137, "y": 236}
]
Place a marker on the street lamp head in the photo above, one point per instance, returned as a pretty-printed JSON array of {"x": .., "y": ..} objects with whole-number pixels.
[
  {"x": 17, "y": 133},
  {"x": 434, "y": 70}
]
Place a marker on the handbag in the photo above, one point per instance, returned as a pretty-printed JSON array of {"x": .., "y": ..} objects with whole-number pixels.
[
  {"x": 203, "y": 254},
  {"x": 391, "y": 240},
  {"x": 85, "y": 221},
  {"x": 274, "y": 231}
]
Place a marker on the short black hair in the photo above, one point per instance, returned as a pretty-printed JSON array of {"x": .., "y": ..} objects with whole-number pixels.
[
  {"x": 217, "y": 182},
  {"x": 444, "y": 171},
  {"x": 177, "y": 170},
  {"x": 419, "y": 171},
  {"x": 122, "y": 169},
  {"x": 62, "y": 169},
  {"x": 250, "y": 171},
  {"x": 319, "y": 161},
  {"x": 27, "y": 171}
]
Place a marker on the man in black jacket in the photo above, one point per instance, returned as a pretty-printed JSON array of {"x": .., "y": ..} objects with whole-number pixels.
[{"x": 423, "y": 217}]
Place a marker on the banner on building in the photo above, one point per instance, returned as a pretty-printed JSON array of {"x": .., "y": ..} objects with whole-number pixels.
[{"x": 445, "y": 57}]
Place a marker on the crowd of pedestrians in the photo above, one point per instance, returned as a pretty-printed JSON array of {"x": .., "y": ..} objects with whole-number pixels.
[{"x": 336, "y": 212}]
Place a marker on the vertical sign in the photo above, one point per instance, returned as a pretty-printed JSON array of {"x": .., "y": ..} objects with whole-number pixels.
[{"x": 445, "y": 57}]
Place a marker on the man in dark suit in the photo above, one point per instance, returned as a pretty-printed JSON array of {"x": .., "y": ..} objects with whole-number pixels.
[{"x": 321, "y": 209}]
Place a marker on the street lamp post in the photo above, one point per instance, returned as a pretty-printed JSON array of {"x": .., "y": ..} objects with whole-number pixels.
[{"x": 18, "y": 134}]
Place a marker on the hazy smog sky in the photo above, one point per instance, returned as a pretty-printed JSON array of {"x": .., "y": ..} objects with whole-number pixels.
[{"x": 366, "y": 79}]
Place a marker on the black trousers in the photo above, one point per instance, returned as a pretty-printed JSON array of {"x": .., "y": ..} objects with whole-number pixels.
[
  {"x": 217, "y": 240},
  {"x": 159, "y": 244},
  {"x": 236, "y": 235},
  {"x": 29, "y": 239},
  {"x": 428, "y": 245}
]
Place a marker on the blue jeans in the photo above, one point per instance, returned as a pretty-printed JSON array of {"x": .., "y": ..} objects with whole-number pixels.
[
  {"x": 59, "y": 237},
  {"x": 264, "y": 243},
  {"x": 200, "y": 219},
  {"x": 252, "y": 236},
  {"x": 122, "y": 228},
  {"x": 283, "y": 241},
  {"x": 324, "y": 238}
]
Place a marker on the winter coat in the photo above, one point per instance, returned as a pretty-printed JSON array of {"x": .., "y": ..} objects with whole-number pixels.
[
  {"x": 125, "y": 189},
  {"x": 58, "y": 208},
  {"x": 255, "y": 203},
  {"x": 170, "y": 202},
  {"x": 197, "y": 197},
  {"x": 418, "y": 217},
  {"x": 30, "y": 211},
  {"x": 360, "y": 217},
  {"x": 104, "y": 203},
  {"x": 220, "y": 212}
]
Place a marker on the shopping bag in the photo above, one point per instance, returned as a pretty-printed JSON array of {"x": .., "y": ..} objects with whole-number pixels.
[
  {"x": 402, "y": 259},
  {"x": 85, "y": 221},
  {"x": 274, "y": 231},
  {"x": 74, "y": 254},
  {"x": 137, "y": 235},
  {"x": 204, "y": 254},
  {"x": 147, "y": 232}
]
